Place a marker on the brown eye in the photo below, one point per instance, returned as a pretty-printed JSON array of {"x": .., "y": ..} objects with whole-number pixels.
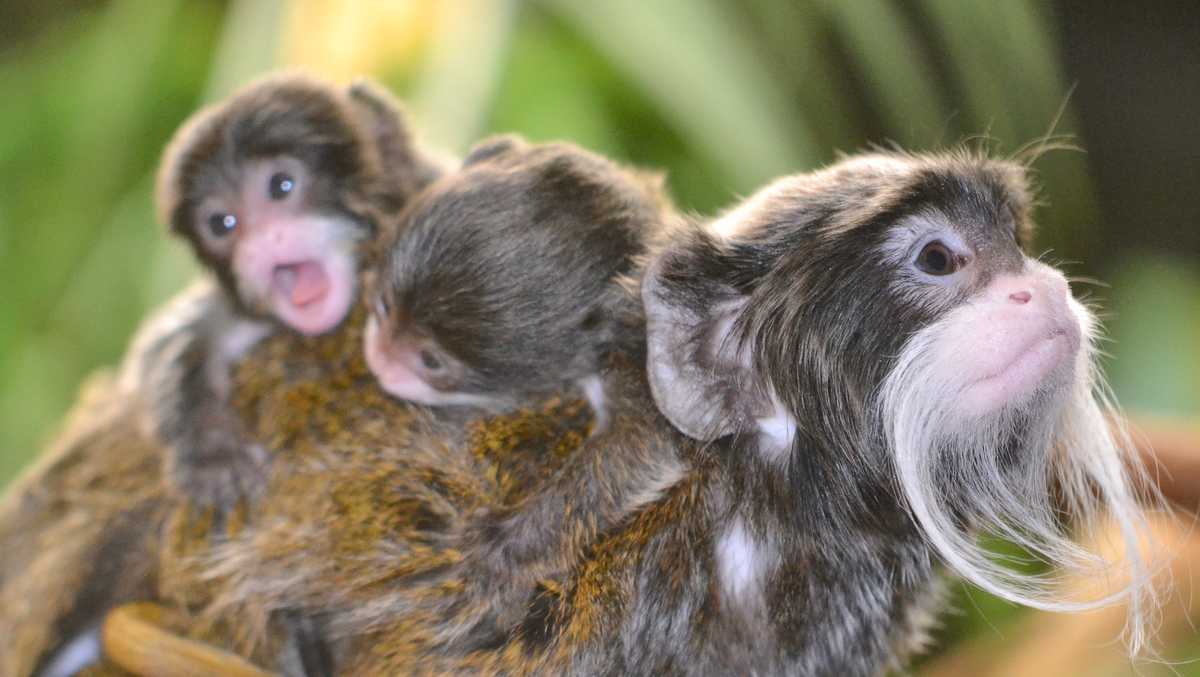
[
  {"x": 431, "y": 361},
  {"x": 281, "y": 186},
  {"x": 222, "y": 224},
  {"x": 937, "y": 259}
]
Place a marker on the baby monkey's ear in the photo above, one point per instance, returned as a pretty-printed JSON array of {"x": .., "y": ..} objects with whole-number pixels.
[
  {"x": 699, "y": 369},
  {"x": 387, "y": 126},
  {"x": 493, "y": 147},
  {"x": 178, "y": 159}
]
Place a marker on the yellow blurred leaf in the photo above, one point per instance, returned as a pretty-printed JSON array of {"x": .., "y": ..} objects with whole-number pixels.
[{"x": 340, "y": 40}]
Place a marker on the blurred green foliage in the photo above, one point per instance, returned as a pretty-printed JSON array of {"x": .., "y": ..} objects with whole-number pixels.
[
  {"x": 89, "y": 105},
  {"x": 724, "y": 96}
]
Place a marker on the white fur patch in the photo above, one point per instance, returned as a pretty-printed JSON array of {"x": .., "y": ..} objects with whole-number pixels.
[
  {"x": 593, "y": 391},
  {"x": 741, "y": 563},
  {"x": 231, "y": 347},
  {"x": 241, "y": 338},
  {"x": 776, "y": 433}
]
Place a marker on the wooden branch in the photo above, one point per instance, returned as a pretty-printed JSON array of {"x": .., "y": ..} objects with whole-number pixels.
[{"x": 138, "y": 637}]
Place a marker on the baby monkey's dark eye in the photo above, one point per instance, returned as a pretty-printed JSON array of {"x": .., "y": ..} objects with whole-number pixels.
[
  {"x": 430, "y": 361},
  {"x": 222, "y": 224},
  {"x": 937, "y": 259},
  {"x": 281, "y": 185}
]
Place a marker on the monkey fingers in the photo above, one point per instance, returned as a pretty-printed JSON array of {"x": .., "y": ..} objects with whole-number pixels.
[{"x": 224, "y": 473}]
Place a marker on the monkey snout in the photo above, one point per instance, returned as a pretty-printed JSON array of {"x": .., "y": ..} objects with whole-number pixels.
[
  {"x": 306, "y": 284},
  {"x": 1019, "y": 290},
  {"x": 1040, "y": 289},
  {"x": 1020, "y": 339}
]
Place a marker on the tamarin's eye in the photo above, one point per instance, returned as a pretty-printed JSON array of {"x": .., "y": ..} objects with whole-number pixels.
[
  {"x": 430, "y": 361},
  {"x": 937, "y": 259},
  {"x": 281, "y": 185},
  {"x": 222, "y": 224}
]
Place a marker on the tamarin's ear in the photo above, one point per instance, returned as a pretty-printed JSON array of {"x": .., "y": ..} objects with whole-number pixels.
[
  {"x": 492, "y": 147},
  {"x": 699, "y": 369},
  {"x": 387, "y": 126}
]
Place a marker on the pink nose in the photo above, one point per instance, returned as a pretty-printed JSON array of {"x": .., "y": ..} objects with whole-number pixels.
[{"x": 1020, "y": 297}]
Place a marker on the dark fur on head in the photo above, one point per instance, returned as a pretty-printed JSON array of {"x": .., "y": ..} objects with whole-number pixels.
[
  {"x": 513, "y": 264},
  {"x": 814, "y": 306}
]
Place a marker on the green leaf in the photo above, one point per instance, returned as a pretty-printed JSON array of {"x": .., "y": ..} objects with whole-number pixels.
[
  {"x": 899, "y": 80},
  {"x": 701, "y": 69},
  {"x": 455, "y": 86}
]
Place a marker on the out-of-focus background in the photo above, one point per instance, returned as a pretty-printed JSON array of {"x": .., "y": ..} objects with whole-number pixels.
[{"x": 723, "y": 95}]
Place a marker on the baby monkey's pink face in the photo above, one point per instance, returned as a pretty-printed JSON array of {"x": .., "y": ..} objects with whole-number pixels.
[
  {"x": 291, "y": 261},
  {"x": 411, "y": 366}
]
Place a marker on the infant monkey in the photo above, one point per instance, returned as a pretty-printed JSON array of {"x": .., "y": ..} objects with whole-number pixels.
[
  {"x": 280, "y": 190},
  {"x": 508, "y": 281},
  {"x": 504, "y": 280}
]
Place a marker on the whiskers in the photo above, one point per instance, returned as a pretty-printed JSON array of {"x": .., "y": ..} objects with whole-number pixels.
[{"x": 1014, "y": 473}]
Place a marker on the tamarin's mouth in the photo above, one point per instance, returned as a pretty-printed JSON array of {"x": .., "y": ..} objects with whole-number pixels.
[
  {"x": 312, "y": 295},
  {"x": 302, "y": 283},
  {"x": 1026, "y": 370}
]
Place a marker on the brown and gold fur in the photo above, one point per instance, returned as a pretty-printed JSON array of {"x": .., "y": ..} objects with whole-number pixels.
[
  {"x": 340, "y": 491},
  {"x": 80, "y": 528}
]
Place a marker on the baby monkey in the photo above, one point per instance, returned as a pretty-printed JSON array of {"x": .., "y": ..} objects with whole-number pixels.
[
  {"x": 508, "y": 281},
  {"x": 504, "y": 281},
  {"x": 280, "y": 190}
]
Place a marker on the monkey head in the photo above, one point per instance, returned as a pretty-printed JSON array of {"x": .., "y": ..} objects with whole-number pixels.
[
  {"x": 280, "y": 188},
  {"x": 880, "y": 333},
  {"x": 504, "y": 278}
]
